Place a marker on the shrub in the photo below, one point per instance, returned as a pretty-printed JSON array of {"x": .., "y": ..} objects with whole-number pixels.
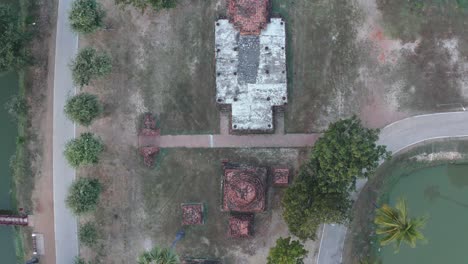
[
  {"x": 79, "y": 260},
  {"x": 158, "y": 255},
  {"x": 83, "y": 195},
  {"x": 17, "y": 107},
  {"x": 287, "y": 252},
  {"x": 86, "y": 16},
  {"x": 88, "y": 234},
  {"x": 90, "y": 64},
  {"x": 12, "y": 40},
  {"x": 84, "y": 150},
  {"x": 83, "y": 108}
]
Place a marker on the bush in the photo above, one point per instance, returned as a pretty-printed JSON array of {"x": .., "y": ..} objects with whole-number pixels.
[
  {"x": 84, "y": 150},
  {"x": 287, "y": 252},
  {"x": 79, "y": 260},
  {"x": 88, "y": 234},
  {"x": 17, "y": 107},
  {"x": 143, "y": 4},
  {"x": 158, "y": 255},
  {"x": 12, "y": 40},
  {"x": 90, "y": 64},
  {"x": 83, "y": 108},
  {"x": 86, "y": 16},
  {"x": 83, "y": 195}
]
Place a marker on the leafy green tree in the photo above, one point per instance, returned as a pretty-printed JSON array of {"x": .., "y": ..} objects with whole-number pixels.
[
  {"x": 83, "y": 195},
  {"x": 345, "y": 152},
  {"x": 84, "y": 150},
  {"x": 395, "y": 226},
  {"x": 90, "y": 64},
  {"x": 143, "y": 4},
  {"x": 12, "y": 40},
  {"x": 86, "y": 16},
  {"x": 287, "y": 252},
  {"x": 158, "y": 255},
  {"x": 88, "y": 234},
  {"x": 306, "y": 206},
  {"x": 83, "y": 108}
]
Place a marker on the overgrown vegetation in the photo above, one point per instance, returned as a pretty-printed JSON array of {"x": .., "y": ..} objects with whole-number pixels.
[
  {"x": 83, "y": 108},
  {"x": 395, "y": 226},
  {"x": 13, "y": 39},
  {"x": 287, "y": 252},
  {"x": 83, "y": 195},
  {"x": 86, "y": 16},
  {"x": 143, "y": 4},
  {"x": 88, "y": 234},
  {"x": 158, "y": 255},
  {"x": 345, "y": 152},
  {"x": 84, "y": 150},
  {"x": 90, "y": 64}
]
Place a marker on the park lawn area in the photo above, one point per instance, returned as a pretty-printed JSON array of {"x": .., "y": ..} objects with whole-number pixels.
[{"x": 141, "y": 206}]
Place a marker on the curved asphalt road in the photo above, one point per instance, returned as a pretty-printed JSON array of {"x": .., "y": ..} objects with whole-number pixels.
[
  {"x": 397, "y": 137},
  {"x": 66, "y": 239}
]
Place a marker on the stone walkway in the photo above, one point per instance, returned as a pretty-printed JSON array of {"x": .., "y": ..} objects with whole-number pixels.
[{"x": 225, "y": 140}]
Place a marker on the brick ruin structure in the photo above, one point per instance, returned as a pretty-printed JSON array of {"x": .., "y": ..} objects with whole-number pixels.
[
  {"x": 192, "y": 214},
  {"x": 244, "y": 189},
  {"x": 241, "y": 226},
  {"x": 280, "y": 177},
  {"x": 147, "y": 139},
  {"x": 251, "y": 76}
]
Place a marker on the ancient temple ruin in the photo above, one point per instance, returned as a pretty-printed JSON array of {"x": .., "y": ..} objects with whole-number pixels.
[{"x": 250, "y": 65}]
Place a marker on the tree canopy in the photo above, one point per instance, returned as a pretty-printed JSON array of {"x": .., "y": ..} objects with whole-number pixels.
[
  {"x": 395, "y": 226},
  {"x": 143, "y": 4},
  {"x": 158, "y": 255},
  {"x": 84, "y": 150},
  {"x": 90, "y": 64},
  {"x": 83, "y": 108},
  {"x": 83, "y": 195},
  {"x": 287, "y": 252},
  {"x": 345, "y": 152},
  {"x": 320, "y": 193},
  {"x": 12, "y": 40},
  {"x": 86, "y": 16},
  {"x": 306, "y": 206}
]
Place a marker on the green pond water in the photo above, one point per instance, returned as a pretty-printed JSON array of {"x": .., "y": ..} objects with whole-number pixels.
[
  {"x": 8, "y": 87},
  {"x": 441, "y": 193}
]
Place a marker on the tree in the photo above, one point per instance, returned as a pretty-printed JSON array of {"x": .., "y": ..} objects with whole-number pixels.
[
  {"x": 396, "y": 226},
  {"x": 345, "y": 152},
  {"x": 17, "y": 107},
  {"x": 12, "y": 40},
  {"x": 287, "y": 252},
  {"x": 84, "y": 150},
  {"x": 88, "y": 234},
  {"x": 83, "y": 108},
  {"x": 86, "y": 16},
  {"x": 143, "y": 4},
  {"x": 90, "y": 64},
  {"x": 306, "y": 206},
  {"x": 83, "y": 195},
  {"x": 158, "y": 256}
]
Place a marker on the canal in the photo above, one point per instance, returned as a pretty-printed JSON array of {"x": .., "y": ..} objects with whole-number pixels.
[{"x": 8, "y": 88}]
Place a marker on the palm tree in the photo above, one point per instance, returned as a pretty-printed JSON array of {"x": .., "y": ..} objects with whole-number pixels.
[
  {"x": 396, "y": 226},
  {"x": 158, "y": 255}
]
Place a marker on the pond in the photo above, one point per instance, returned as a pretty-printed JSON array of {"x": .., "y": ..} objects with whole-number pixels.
[
  {"x": 441, "y": 193},
  {"x": 8, "y": 87}
]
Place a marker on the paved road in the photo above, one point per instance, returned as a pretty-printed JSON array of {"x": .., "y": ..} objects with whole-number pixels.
[
  {"x": 397, "y": 137},
  {"x": 66, "y": 240}
]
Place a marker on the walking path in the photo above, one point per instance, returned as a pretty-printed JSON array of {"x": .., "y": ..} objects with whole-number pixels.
[
  {"x": 66, "y": 239},
  {"x": 397, "y": 137}
]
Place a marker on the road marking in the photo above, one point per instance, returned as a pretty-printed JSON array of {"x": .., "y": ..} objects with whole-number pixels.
[
  {"x": 321, "y": 240},
  {"x": 211, "y": 141}
]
